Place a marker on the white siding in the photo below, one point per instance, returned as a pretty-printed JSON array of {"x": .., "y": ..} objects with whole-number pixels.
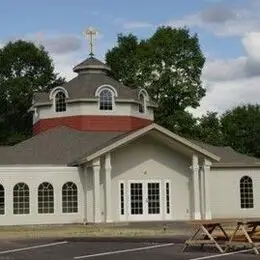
[
  {"x": 33, "y": 176},
  {"x": 145, "y": 159},
  {"x": 79, "y": 109},
  {"x": 225, "y": 193}
]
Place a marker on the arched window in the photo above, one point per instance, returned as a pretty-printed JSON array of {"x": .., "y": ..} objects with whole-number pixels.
[
  {"x": 45, "y": 198},
  {"x": 246, "y": 193},
  {"x": 141, "y": 105},
  {"x": 2, "y": 200},
  {"x": 69, "y": 198},
  {"x": 21, "y": 199},
  {"x": 60, "y": 102},
  {"x": 106, "y": 100}
]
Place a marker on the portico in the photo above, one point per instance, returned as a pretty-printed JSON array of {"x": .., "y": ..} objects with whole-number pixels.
[{"x": 139, "y": 191}]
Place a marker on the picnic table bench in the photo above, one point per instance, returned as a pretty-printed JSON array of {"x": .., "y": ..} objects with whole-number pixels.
[{"x": 204, "y": 234}]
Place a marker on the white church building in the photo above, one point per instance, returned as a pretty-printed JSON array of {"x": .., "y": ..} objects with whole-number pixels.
[{"x": 97, "y": 156}]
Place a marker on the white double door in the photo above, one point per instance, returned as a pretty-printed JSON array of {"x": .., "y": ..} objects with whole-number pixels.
[{"x": 145, "y": 200}]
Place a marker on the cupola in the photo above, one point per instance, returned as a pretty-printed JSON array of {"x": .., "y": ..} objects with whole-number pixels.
[
  {"x": 91, "y": 65},
  {"x": 92, "y": 101}
]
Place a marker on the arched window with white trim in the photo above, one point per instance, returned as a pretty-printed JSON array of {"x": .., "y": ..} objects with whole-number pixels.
[
  {"x": 21, "y": 199},
  {"x": 141, "y": 105},
  {"x": 143, "y": 97},
  {"x": 106, "y": 99},
  {"x": 246, "y": 193},
  {"x": 45, "y": 198},
  {"x": 60, "y": 102},
  {"x": 69, "y": 198}
]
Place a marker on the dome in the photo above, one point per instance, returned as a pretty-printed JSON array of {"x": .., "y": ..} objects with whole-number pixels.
[{"x": 91, "y": 65}]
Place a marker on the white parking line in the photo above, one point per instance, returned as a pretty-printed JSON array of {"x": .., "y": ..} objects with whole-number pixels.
[
  {"x": 31, "y": 247},
  {"x": 123, "y": 251},
  {"x": 222, "y": 255}
]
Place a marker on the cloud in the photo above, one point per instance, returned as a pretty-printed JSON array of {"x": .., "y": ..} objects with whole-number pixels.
[
  {"x": 251, "y": 43},
  {"x": 217, "y": 14},
  {"x": 232, "y": 82},
  {"x": 223, "y": 20},
  {"x": 62, "y": 44},
  {"x": 55, "y": 43},
  {"x": 137, "y": 25}
]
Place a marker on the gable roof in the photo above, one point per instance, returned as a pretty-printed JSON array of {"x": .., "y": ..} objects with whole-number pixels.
[{"x": 123, "y": 139}]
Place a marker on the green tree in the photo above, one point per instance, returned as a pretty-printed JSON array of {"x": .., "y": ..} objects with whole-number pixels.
[
  {"x": 209, "y": 129},
  {"x": 24, "y": 70},
  {"x": 168, "y": 65},
  {"x": 241, "y": 128}
]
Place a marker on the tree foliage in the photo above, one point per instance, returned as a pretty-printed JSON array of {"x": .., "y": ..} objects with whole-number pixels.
[
  {"x": 241, "y": 128},
  {"x": 168, "y": 65},
  {"x": 24, "y": 70},
  {"x": 209, "y": 129}
]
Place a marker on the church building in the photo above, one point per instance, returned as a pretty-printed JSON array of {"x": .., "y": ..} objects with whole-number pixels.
[{"x": 96, "y": 156}]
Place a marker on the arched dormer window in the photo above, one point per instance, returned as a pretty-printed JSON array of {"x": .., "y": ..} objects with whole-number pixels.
[
  {"x": 106, "y": 100},
  {"x": 60, "y": 102},
  {"x": 59, "y": 95},
  {"x": 141, "y": 105},
  {"x": 142, "y": 97},
  {"x": 106, "y": 95}
]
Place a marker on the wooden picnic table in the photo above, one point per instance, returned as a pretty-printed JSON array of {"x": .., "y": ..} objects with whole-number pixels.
[{"x": 204, "y": 234}]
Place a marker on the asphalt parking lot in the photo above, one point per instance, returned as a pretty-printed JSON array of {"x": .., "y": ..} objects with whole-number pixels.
[{"x": 73, "y": 250}]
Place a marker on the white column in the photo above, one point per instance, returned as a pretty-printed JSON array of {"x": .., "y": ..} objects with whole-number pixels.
[
  {"x": 85, "y": 208},
  {"x": 202, "y": 192},
  {"x": 108, "y": 194},
  {"x": 195, "y": 182},
  {"x": 96, "y": 181},
  {"x": 206, "y": 169}
]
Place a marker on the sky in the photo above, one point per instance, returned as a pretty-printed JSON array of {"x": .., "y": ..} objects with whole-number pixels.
[{"x": 228, "y": 31}]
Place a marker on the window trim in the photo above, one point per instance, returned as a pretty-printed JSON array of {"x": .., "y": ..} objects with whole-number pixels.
[
  {"x": 63, "y": 102},
  {"x": 142, "y": 103},
  {"x": 112, "y": 101},
  {"x": 124, "y": 216},
  {"x": 62, "y": 198},
  {"x": 247, "y": 194},
  {"x": 44, "y": 201},
  {"x": 114, "y": 95},
  {"x": 4, "y": 200},
  {"x": 52, "y": 96},
  {"x": 19, "y": 202},
  {"x": 145, "y": 98}
]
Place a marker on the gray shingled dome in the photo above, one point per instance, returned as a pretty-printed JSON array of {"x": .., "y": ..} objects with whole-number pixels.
[{"x": 91, "y": 65}]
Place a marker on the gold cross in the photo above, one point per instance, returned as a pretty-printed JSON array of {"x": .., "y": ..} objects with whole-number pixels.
[{"x": 90, "y": 33}]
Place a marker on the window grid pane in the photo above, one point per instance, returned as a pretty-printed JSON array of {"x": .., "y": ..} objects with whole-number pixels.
[
  {"x": 141, "y": 104},
  {"x": 246, "y": 192},
  {"x": 106, "y": 100},
  {"x": 60, "y": 102},
  {"x": 153, "y": 198},
  {"x": 167, "y": 198},
  {"x": 136, "y": 198},
  {"x": 122, "y": 195},
  {"x": 69, "y": 198},
  {"x": 45, "y": 198},
  {"x": 21, "y": 199},
  {"x": 2, "y": 200}
]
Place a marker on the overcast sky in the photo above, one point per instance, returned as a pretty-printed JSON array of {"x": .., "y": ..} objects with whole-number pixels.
[{"x": 229, "y": 33}]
